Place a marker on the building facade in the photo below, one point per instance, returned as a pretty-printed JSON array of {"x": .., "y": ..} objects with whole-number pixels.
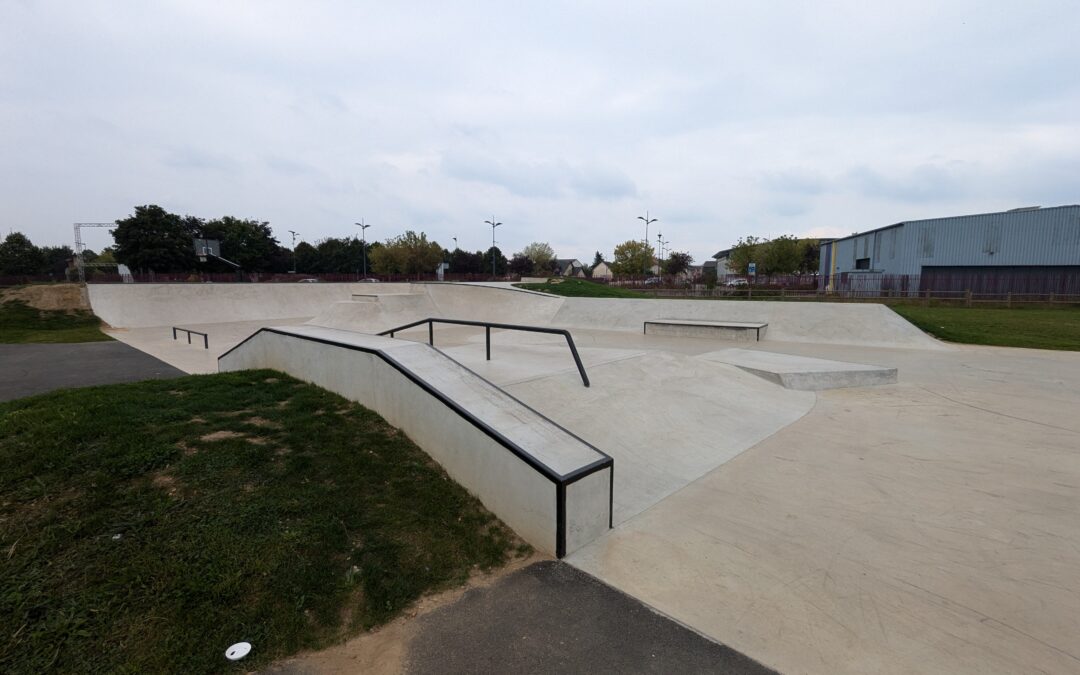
[{"x": 1032, "y": 250}]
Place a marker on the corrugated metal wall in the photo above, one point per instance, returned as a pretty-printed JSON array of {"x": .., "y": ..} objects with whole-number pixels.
[{"x": 1015, "y": 238}]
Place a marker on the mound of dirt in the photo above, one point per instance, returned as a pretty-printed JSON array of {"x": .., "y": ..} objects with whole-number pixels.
[{"x": 49, "y": 296}]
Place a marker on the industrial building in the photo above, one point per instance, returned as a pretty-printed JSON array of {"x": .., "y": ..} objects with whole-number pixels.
[{"x": 1023, "y": 251}]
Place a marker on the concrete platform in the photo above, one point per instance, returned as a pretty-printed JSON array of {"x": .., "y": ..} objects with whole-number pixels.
[
  {"x": 743, "y": 331},
  {"x": 802, "y": 372}
]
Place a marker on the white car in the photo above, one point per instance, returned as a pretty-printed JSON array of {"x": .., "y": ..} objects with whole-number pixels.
[
  {"x": 308, "y": 281},
  {"x": 737, "y": 282}
]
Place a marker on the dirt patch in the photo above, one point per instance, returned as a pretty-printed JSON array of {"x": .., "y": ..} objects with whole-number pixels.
[
  {"x": 222, "y": 435},
  {"x": 384, "y": 651},
  {"x": 262, "y": 422},
  {"x": 166, "y": 482},
  {"x": 54, "y": 297}
]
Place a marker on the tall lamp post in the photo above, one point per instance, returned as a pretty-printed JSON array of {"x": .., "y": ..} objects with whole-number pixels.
[
  {"x": 660, "y": 255},
  {"x": 363, "y": 243},
  {"x": 647, "y": 220},
  {"x": 293, "y": 250},
  {"x": 493, "y": 225}
]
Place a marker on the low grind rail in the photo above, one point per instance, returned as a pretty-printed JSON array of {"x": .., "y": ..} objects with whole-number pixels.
[
  {"x": 205, "y": 338},
  {"x": 487, "y": 331}
]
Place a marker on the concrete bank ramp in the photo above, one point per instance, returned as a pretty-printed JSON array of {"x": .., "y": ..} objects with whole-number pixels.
[
  {"x": 803, "y": 372},
  {"x": 818, "y": 322},
  {"x": 551, "y": 487},
  {"x": 142, "y": 305}
]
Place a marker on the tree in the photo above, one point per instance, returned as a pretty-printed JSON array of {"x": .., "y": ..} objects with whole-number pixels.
[
  {"x": 781, "y": 256},
  {"x": 410, "y": 253},
  {"x": 597, "y": 259},
  {"x": 743, "y": 253},
  {"x": 542, "y": 256},
  {"x": 249, "y": 243},
  {"x": 18, "y": 255},
  {"x": 500, "y": 261},
  {"x": 55, "y": 260},
  {"x": 155, "y": 239},
  {"x": 307, "y": 259},
  {"x": 810, "y": 255},
  {"x": 632, "y": 258},
  {"x": 678, "y": 262},
  {"x": 521, "y": 265},
  {"x": 463, "y": 262}
]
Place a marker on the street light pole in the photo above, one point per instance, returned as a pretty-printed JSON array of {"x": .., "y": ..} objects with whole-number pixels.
[
  {"x": 293, "y": 250},
  {"x": 363, "y": 243},
  {"x": 660, "y": 255},
  {"x": 493, "y": 225},
  {"x": 647, "y": 221}
]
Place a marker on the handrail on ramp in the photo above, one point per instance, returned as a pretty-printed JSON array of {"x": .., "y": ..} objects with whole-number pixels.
[
  {"x": 205, "y": 337},
  {"x": 488, "y": 325}
]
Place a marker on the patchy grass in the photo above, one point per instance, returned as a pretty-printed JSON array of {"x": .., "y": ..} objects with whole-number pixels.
[
  {"x": 146, "y": 527},
  {"x": 21, "y": 323},
  {"x": 577, "y": 288},
  {"x": 1036, "y": 328}
]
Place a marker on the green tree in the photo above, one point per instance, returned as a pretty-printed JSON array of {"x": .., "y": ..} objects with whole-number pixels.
[
  {"x": 746, "y": 251},
  {"x": 597, "y": 259},
  {"x": 810, "y": 254},
  {"x": 542, "y": 256},
  {"x": 410, "y": 253},
  {"x": 781, "y": 256},
  {"x": 307, "y": 259},
  {"x": 632, "y": 258},
  {"x": 500, "y": 261},
  {"x": 155, "y": 239},
  {"x": 678, "y": 262},
  {"x": 55, "y": 260},
  {"x": 249, "y": 243},
  {"x": 521, "y": 265},
  {"x": 18, "y": 255}
]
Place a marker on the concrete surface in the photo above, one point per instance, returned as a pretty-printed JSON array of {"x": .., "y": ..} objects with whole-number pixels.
[
  {"x": 31, "y": 369},
  {"x": 924, "y": 527},
  {"x": 744, "y": 331},
  {"x": 520, "y": 494},
  {"x": 802, "y": 372}
]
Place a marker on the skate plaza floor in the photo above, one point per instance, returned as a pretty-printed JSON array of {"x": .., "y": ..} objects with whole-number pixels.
[{"x": 844, "y": 494}]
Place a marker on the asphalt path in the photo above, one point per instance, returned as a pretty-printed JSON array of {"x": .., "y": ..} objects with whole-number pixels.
[{"x": 28, "y": 369}]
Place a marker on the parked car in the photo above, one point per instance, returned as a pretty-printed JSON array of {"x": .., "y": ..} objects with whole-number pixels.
[
  {"x": 734, "y": 283},
  {"x": 309, "y": 280},
  {"x": 653, "y": 281},
  {"x": 369, "y": 280}
]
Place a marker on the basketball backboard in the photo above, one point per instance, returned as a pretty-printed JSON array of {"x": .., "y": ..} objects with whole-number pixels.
[{"x": 207, "y": 247}]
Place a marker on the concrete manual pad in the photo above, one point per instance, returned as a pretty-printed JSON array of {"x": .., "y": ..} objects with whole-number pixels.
[
  {"x": 742, "y": 331},
  {"x": 802, "y": 372}
]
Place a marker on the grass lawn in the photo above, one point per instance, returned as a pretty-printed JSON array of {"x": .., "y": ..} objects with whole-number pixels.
[
  {"x": 1019, "y": 327},
  {"x": 577, "y": 288},
  {"x": 146, "y": 527},
  {"x": 21, "y": 323}
]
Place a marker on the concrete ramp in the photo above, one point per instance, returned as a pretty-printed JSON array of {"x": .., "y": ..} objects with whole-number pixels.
[
  {"x": 550, "y": 486},
  {"x": 373, "y": 313},
  {"x": 803, "y": 372}
]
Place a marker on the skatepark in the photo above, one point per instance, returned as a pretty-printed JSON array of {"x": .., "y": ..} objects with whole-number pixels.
[{"x": 820, "y": 486}]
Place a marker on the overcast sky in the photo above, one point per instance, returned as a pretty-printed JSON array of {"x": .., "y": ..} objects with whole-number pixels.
[{"x": 564, "y": 120}]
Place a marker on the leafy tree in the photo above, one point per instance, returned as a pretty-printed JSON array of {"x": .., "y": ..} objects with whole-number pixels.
[
  {"x": 500, "y": 261},
  {"x": 307, "y": 259},
  {"x": 597, "y": 259},
  {"x": 678, "y": 262},
  {"x": 249, "y": 243},
  {"x": 743, "y": 253},
  {"x": 781, "y": 256},
  {"x": 155, "y": 239},
  {"x": 55, "y": 260},
  {"x": 18, "y": 255},
  {"x": 410, "y": 253},
  {"x": 521, "y": 265},
  {"x": 542, "y": 256},
  {"x": 463, "y": 262},
  {"x": 632, "y": 258},
  {"x": 810, "y": 255}
]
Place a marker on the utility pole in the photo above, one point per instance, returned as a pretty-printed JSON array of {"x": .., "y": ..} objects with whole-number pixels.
[
  {"x": 646, "y": 240},
  {"x": 363, "y": 243},
  {"x": 493, "y": 225},
  {"x": 293, "y": 250}
]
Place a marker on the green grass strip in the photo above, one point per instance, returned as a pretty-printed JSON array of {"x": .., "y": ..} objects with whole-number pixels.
[
  {"x": 1035, "y": 328},
  {"x": 21, "y": 323}
]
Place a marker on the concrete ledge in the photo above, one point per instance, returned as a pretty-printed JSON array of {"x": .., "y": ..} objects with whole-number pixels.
[
  {"x": 741, "y": 331},
  {"x": 551, "y": 487},
  {"x": 804, "y": 373}
]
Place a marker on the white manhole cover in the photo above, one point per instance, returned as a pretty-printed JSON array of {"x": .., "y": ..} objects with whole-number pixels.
[{"x": 238, "y": 651}]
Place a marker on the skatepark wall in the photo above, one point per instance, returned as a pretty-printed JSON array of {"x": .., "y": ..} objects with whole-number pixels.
[{"x": 551, "y": 487}]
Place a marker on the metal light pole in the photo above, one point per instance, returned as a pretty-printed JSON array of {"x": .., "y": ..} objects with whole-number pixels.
[
  {"x": 493, "y": 225},
  {"x": 647, "y": 221},
  {"x": 363, "y": 243},
  {"x": 455, "y": 242},
  {"x": 660, "y": 255},
  {"x": 293, "y": 250}
]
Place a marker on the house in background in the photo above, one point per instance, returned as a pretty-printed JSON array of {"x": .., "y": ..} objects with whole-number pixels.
[
  {"x": 720, "y": 262},
  {"x": 569, "y": 267},
  {"x": 602, "y": 271}
]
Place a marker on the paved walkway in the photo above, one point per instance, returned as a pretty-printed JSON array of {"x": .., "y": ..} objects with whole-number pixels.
[{"x": 26, "y": 370}]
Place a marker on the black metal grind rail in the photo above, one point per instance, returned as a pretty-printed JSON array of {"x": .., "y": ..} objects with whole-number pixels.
[
  {"x": 487, "y": 331},
  {"x": 205, "y": 338}
]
